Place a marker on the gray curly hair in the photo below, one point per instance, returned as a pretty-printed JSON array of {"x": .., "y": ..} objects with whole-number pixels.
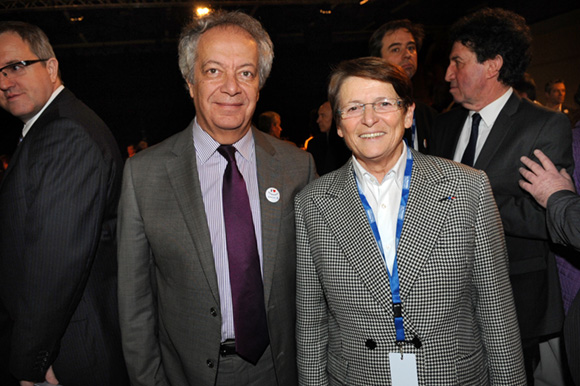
[{"x": 192, "y": 32}]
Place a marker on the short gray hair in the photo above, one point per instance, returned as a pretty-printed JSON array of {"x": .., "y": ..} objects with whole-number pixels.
[
  {"x": 192, "y": 32},
  {"x": 31, "y": 34}
]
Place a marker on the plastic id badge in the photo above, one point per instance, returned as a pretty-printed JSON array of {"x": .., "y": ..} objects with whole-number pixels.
[{"x": 403, "y": 369}]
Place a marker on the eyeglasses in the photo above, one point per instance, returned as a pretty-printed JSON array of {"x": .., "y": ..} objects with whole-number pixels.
[
  {"x": 14, "y": 70},
  {"x": 385, "y": 105}
]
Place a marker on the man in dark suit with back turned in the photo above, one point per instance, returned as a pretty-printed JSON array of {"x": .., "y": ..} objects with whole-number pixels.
[
  {"x": 192, "y": 259},
  {"x": 399, "y": 42},
  {"x": 58, "y": 205},
  {"x": 491, "y": 51}
]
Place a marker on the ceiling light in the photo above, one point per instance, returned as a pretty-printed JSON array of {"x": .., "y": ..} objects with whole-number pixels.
[{"x": 202, "y": 11}]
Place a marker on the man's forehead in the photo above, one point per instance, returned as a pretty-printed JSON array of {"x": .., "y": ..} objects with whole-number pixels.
[
  {"x": 461, "y": 50},
  {"x": 13, "y": 40},
  {"x": 12, "y": 47},
  {"x": 226, "y": 32},
  {"x": 219, "y": 38},
  {"x": 391, "y": 34}
]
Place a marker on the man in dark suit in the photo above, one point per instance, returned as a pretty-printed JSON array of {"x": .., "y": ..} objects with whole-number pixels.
[
  {"x": 327, "y": 148},
  {"x": 555, "y": 91},
  {"x": 491, "y": 50},
  {"x": 399, "y": 42},
  {"x": 58, "y": 206},
  {"x": 179, "y": 274},
  {"x": 555, "y": 191}
]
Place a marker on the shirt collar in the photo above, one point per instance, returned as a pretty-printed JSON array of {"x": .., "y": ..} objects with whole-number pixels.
[
  {"x": 206, "y": 146},
  {"x": 490, "y": 112},
  {"x": 362, "y": 175},
  {"x": 28, "y": 124}
]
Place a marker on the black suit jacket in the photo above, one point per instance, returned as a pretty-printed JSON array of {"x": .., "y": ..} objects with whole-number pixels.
[
  {"x": 58, "y": 211},
  {"x": 424, "y": 116},
  {"x": 521, "y": 127},
  {"x": 563, "y": 213}
]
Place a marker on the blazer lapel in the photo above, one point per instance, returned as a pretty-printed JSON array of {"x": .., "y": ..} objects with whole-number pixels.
[
  {"x": 183, "y": 176},
  {"x": 430, "y": 196},
  {"x": 269, "y": 176},
  {"x": 12, "y": 164},
  {"x": 427, "y": 208},
  {"x": 500, "y": 130},
  {"x": 454, "y": 132},
  {"x": 343, "y": 212},
  {"x": 49, "y": 114}
]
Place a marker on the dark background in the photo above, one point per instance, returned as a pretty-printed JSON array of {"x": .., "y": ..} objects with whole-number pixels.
[{"x": 121, "y": 58}]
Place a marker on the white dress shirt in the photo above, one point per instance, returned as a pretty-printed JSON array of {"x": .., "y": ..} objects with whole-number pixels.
[
  {"x": 488, "y": 116},
  {"x": 28, "y": 124},
  {"x": 384, "y": 198}
]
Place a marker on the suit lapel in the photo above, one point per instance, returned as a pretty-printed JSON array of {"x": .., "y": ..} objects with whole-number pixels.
[
  {"x": 12, "y": 164},
  {"x": 345, "y": 216},
  {"x": 427, "y": 209},
  {"x": 269, "y": 176},
  {"x": 48, "y": 115},
  {"x": 183, "y": 176},
  {"x": 454, "y": 132},
  {"x": 500, "y": 130}
]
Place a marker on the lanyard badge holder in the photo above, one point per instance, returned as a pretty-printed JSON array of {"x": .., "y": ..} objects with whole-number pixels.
[{"x": 403, "y": 366}]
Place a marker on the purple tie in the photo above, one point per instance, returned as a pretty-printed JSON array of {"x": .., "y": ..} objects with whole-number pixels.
[{"x": 250, "y": 323}]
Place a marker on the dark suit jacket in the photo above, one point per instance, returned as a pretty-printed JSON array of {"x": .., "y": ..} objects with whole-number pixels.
[
  {"x": 572, "y": 339},
  {"x": 168, "y": 293},
  {"x": 453, "y": 271},
  {"x": 424, "y": 116},
  {"x": 521, "y": 127},
  {"x": 329, "y": 151},
  {"x": 58, "y": 205},
  {"x": 563, "y": 215}
]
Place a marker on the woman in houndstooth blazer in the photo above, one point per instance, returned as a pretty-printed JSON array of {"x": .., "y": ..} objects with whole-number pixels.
[{"x": 457, "y": 307}]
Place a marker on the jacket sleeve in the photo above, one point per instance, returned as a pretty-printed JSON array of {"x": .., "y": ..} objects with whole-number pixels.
[
  {"x": 311, "y": 315},
  {"x": 495, "y": 309},
  {"x": 522, "y": 216},
  {"x": 66, "y": 196},
  {"x": 563, "y": 218},
  {"x": 137, "y": 292}
]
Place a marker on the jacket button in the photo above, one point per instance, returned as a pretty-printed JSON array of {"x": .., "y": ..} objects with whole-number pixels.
[
  {"x": 213, "y": 312},
  {"x": 371, "y": 344},
  {"x": 209, "y": 363}
]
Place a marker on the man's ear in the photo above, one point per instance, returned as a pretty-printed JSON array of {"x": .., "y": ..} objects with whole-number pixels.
[
  {"x": 190, "y": 88},
  {"x": 52, "y": 68},
  {"x": 493, "y": 66}
]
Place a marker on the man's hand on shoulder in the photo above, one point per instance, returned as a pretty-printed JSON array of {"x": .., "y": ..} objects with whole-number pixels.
[
  {"x": 50, "y": 378},
  {"x": 541, "y": 181}
]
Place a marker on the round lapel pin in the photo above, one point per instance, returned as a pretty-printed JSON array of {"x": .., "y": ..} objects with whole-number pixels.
[{"x": 273, "y": 194}]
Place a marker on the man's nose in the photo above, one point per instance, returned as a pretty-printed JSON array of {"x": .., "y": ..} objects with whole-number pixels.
[
  {"x": 449, "y": 74},
  {"x": 231, "y": 85},
  {"x": 5, "y": 82}
]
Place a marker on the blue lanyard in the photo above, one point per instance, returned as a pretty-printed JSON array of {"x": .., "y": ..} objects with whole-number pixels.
[{"x": 393, "y": 276}]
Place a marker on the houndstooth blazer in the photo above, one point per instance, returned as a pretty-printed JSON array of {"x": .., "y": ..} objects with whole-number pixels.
[{"x": 455, "y": 290}]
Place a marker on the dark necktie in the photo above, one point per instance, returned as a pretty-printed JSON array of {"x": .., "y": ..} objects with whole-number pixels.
[
  {"x": 469, "y": 154},
  {"x": 250, "y": 323}
]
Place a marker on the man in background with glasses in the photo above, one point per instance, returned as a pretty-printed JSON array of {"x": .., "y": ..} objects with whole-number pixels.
[{"x": 58, "y": 210}]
